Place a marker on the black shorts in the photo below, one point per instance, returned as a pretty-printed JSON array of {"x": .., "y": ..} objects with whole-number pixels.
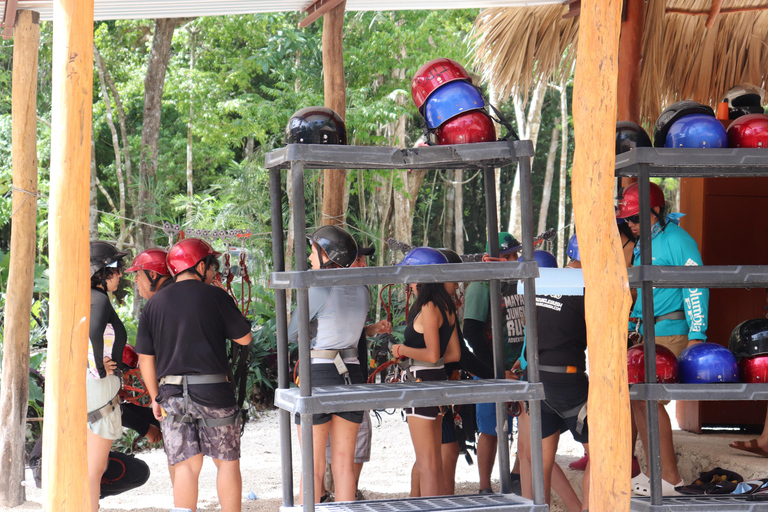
[
  {"x": 449, "y": 427},
  {"x": 560, "y": 399},
  {"x": 326, "y": 374},
  {"x": 427, "y": 374}
]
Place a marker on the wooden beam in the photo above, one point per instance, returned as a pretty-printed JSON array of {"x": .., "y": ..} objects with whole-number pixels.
[
  {"x": 65, "y": 471},
  {"x": 605, "y": 274},
  {"x": 9, "y": 18},
  {"x": 713, "y": 12},
  {"x": 335, "y": 89},
  {"x": 630, "y": 60},
  {"x": 14, "y": 394},
  {"x": 721, "y": 11},
  {"x": 317, "y": 9}
]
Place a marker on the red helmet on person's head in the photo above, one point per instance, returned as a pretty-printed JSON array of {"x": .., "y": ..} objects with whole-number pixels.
[
  {"x": 629, "y": 203},
  {"x": 434, "y": 74},
  {"x": 473, "y": 126},
  {"x": 151, "y": 259},
  {"x": 187, "y": 253},
  {"x": 130, "y": 357},
  {"x": 749, "y": 131},
  {"x": 666, "y": 365}
]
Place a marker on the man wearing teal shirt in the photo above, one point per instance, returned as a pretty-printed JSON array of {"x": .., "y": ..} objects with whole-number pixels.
[{"x": 680, "y": 314}]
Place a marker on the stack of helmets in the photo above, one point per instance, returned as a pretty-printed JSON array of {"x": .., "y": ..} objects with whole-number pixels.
[
  {"x": 749, "y": 342},
  {"x": 453, "y": 107},
  {"x": 666, "y": 365},
  {"x": 705, "y": 363},
  {"x": 688, "y": 124}
]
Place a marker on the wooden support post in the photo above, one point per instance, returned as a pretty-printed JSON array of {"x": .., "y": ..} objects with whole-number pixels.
[
  {"x": 605, "y": 275},
  {"x": 334, "y": 180},
  {"x": 14, "y": 394},
  {"x": 65, "y": 472},
  {"x": 630, "y": 61}
]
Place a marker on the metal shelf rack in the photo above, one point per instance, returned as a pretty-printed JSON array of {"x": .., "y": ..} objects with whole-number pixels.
[
  {"x": 306, "y": 400},
  {"x": 670, "y": 162}
]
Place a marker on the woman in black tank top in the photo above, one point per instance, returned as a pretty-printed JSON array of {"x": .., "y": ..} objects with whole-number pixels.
[{"x": 430, "y": 336}]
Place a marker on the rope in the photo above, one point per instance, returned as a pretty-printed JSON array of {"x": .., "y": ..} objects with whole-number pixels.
[
  {"x": 33, "y": 194},
  {"x": 454, "y": 183}
]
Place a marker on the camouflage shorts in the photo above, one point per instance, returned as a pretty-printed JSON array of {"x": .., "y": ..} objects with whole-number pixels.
[{"x": 185, "y": 440}]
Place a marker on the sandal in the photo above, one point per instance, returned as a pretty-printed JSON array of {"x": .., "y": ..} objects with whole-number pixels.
[
  {"x": 641, "y": 485},
  {"x": 750, "y": 446}
]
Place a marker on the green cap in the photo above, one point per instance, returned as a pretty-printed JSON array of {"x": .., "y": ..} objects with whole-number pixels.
[{"x": 507, "y": 243}]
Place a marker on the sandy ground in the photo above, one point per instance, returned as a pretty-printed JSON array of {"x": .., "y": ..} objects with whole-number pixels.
[{"x": 387, "y": 475}]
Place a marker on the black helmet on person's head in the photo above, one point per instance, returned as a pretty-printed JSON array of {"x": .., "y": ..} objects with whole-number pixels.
[
  {"x": 630, "y": 135},
  {"x": 450, "y": 255},
  {"x": 674, "y": 112},
  {"x": 338, "y": 245},
  {"x": 315, "y": 125},
  {"x": 104, "y": 254}
]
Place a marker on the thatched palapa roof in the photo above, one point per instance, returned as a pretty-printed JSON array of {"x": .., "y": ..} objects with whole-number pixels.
[{"x": 681, "y": 58}]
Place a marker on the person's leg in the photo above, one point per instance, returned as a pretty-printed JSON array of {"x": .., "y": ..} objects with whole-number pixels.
[
  {"x": 437, "y": 444},
  {"x": 415, "y": 482},
  {"x": 564, "y": 490},
  {"x": 486, "y": 458},
  {"x": 229, "y": 485},
  {"x": 98, "y": 458},
  {"x": 585, "y": 482},
  {"x": 423, "y": 436},
  {"x": 524, "y": 454},
  {"x": 319, "y": 436},
  {"x": 450, "y": 456},
  {"x": 669, "y": 470},
  {"x": 343, "y": 435},
  {"x": 757, "y": 444},
  {"x": 640, "y": 417},
  {"x": 186, "y": 475}
]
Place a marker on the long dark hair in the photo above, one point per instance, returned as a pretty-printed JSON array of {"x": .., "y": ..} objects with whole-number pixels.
[{"x": 434, "y": 293}]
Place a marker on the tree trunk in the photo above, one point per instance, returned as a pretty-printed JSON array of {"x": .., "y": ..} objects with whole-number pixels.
[
  {"x": 65, "y": 471},
  {"x": 549, "y": 174},
  {"x": 154, "y": 81},
  {"x": 425, "y": 227},
  {"x": 405, "y": 200},
  {"x": 382, "y": 206},
  {"x": 14, "y": 392},
  {"x": 449, "y": 210},
  {"x": 458, "y": 232},
  {"x": 190, "y": 126},
  {"x": 562, "y": 240}
]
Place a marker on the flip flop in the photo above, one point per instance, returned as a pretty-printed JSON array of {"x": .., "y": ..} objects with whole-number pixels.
[
  {"x": 641, "y": 485},
  {"x": 750, "y": 446}
]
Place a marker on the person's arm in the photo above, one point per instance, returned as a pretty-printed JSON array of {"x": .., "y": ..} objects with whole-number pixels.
[
  {"x": 317, "y": 298},
  {"x": 100, "y": 315},
  {"x": 149, "y": 374},
  {"x": 430, "y": 319},
  {"x": 695, "y": 300}
]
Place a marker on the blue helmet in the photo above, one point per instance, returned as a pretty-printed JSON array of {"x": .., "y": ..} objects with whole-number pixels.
[
  {"x": 543, "y": 258},
  {"x": 451, "y": 100},
  {"x": 423, "y": 256},
  {"x": 707, "y": 362},
  {"x": 697, "y": 131},
  {"x": 573, "y": 249}
]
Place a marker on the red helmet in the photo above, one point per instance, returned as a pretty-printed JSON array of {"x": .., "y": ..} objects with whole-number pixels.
[
  {"x": 629, "y": 203},
  {"x": 432, "y": 75},
  {"x": 188, "y": 253},
  {"x": 130, "y": 357},
  {"x": 749, "y": 131},
  {"x": 754, "y": 370},
  {"x": 666, "y": 365},
  {"x": 151, "y": 259},
  {"x": 474, "y": 126}
]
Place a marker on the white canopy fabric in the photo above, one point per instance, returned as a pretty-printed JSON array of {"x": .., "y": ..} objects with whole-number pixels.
[{"x": 153, "y": 9}]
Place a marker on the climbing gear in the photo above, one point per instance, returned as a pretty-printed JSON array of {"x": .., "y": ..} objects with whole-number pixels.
[
  {"x": 697, "y": 131},
  {"x": 629, "y": 136},
  {"x": 185, "y": 381},
  {"x": 451, "y": 100},
  {"x": 629, "y": 203},
  {"x": 707, "y": 362},
  {"x": 338, "y": 245},
  {"x": 666, "y": 365},
  {"x": 744, "y": 99},
  {"x": 316, "y": 125},
  {"x": 433, "y": 75}
]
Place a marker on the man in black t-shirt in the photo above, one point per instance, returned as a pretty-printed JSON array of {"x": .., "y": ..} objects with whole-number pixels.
[{"x": 182, "y": 340}]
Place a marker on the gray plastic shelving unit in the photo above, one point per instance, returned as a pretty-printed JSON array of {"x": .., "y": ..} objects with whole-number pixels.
[
  {"x": 305, "y": 400},
  {"x": 669, "y": 162}
]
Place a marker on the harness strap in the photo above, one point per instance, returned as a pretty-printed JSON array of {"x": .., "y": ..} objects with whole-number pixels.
[
  {"x": 178, "y": 380},
  {"x": 560, "y": 369},
  {"x": 331, "y": 354},
  {"x": 675, "y": 315},
  {"x": 580, "y": 411},
  {"x": 406, "y": 365},
  {"x": 204, "y": 422},
  {"x": 190, "y": 380},
  {"x": 105, "y": 410}
]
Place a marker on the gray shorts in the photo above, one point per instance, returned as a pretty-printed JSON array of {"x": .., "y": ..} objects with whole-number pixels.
[
  {"x": 99, "y": 392},
  {"x": 362, "y": 443},
  {"x": 185, "y": 440}
]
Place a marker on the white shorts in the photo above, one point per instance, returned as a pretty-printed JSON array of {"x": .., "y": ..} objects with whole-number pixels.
[{"x": 100, "y": 392}]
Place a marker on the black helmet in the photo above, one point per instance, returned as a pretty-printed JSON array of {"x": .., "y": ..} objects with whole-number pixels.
[
  {"x": 315, "y": 125},
  {"x": 337, "y": 244},
  {"x": 674, "y": 112},
  {"x": 104, "y": 254},
  {"x": 750, "y": 338},
  {"x": 744, "y": 99},
  {"x": 630, "y": 135},
  {"x": 450, "y": 255}
]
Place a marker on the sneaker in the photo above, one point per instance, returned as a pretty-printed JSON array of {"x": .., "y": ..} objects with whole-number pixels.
[
  {"x": 581, "y": 464},
  {"x": 486, "y": 491}
]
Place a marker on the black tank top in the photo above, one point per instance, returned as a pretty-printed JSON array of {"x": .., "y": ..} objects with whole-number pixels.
[{"x": 415, "y": 339}]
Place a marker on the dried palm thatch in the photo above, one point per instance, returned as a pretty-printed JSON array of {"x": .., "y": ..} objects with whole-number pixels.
[{"x": 682, "y": 59}]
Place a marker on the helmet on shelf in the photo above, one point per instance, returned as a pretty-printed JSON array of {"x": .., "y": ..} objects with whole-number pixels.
[
  {"x": 466, "y": 128},
  {"x": 130, "y": 357},
  {"x": 104, "y": 254},
  {"x": 750, "y": 338},
  {"x": 187, "y": 253},
  {"x": 697, "y": 131},
  {"x": 744, "y": 99},
  {"x": 451, "y": 100},
  {"x": 151, "y": 259},
  {"x": 315, "y": 125},
  {"x": 573, "y": 249},
  {"x": 543, "y": 258},
  {"x": 674, "y": 112},
  {"x": 434, "y": 74},
  {"x": 749, "y": 131},
  {"x": 754, "y": 370},
  {"x": 666, "y": 365},
  {"x": 423, "y": 256},
  {"x": 629, "y": 203},
  {"x": 338, "y": 244},
  {"x": 704, "y": 363},
  {"x": 630, "y": 135},
  {"x": 450, "y": 255}
]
